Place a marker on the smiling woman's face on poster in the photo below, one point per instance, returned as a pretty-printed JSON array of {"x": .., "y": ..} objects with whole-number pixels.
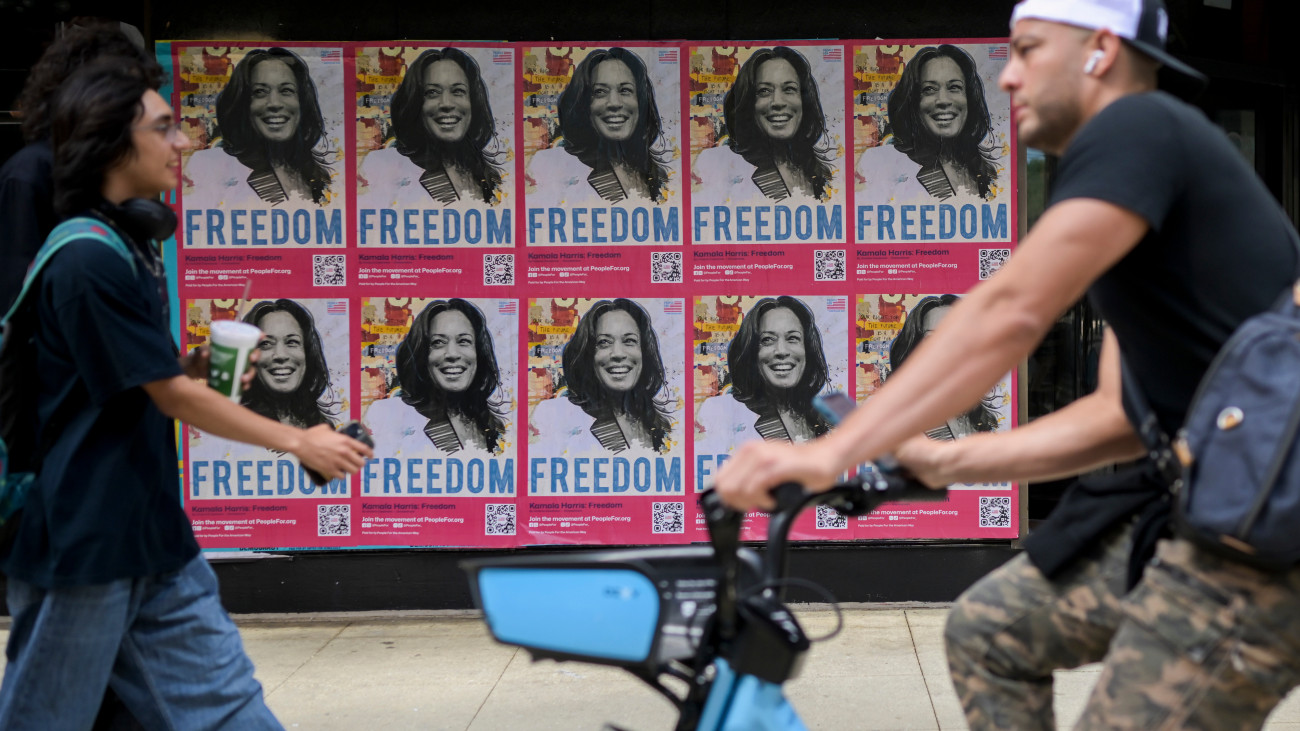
[
  {"x": 607, "y": 378},
  {"x": 932, "y": 128},
  {"x": 274, "y": 108},
  {"x": 760, "y": 363},
  {"x": 444, "y": 374}
]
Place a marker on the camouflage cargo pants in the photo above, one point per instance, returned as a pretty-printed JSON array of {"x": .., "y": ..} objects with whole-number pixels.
[
  {"x": 1207, "y": 643},
  {"x": 1008, "y": 632}
]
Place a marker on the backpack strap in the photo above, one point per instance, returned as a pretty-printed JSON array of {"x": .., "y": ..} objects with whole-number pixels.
[
  {"x": 73, "y": 229},
  {"x": 1144, "y": 420}
]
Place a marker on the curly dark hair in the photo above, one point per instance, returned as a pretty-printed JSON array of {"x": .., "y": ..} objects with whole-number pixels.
[
  {"x": 747, "y": 384},
  {"x": 312, "y": 403},
  {"x": 241, "y": 139},
  {"x": 982, "y": 416},
  {"x": 642, "y": 402},
  {"x": 808, "y": 150},
  {"x": 425, "y": 396},
  {"x": 645, "y": 151},
  {"x": 971, "y": 148},
  {"x": 90, "y": 124},
  {"x": 84, "y": 41},
  {"x": 430, "y": 153}
]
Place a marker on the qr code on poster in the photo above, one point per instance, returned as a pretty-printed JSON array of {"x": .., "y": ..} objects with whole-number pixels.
[
  {"x": 995, "y": 512},
  {"x": 499, "y": 519},
  {"x": 668, "y": 518},
  {"x": 829, "y": 519},
  {"x": 498, "y": 269},
  {"x": 333, "y": 520},
  {"x": 665, "y": 267},
  {"x": 828, "y": 265},
  {"x": 991, "y": 260},
  {"x": 328, "y": 270}
]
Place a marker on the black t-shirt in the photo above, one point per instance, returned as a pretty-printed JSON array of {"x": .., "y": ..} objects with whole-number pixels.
[
  {"x": 1220, "y": 249},
  {"x": 27, "y": 200},
  {"x": 106, "y": 502}
]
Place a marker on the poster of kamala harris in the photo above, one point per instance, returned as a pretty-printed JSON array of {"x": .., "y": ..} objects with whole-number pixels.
[
  {"x": 767, "y": 143},
  {"x": 932, "y": 142},
  {"x": 239, "y": 495},
  {"x": 435, "y": 132},
  {"x": 758, "y": 364},
  {"x": 602, "y": 148},
  {"x": 266, "y": 123},
  {"x": 606, "y": 399},
  {"x": 438, "y": 392},
  {"x": 889, "y": 327}
]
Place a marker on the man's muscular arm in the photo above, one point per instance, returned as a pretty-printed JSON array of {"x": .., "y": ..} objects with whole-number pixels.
[
  {"x": 1091, "y": 432},
  {"x": 985, "y": 335}
]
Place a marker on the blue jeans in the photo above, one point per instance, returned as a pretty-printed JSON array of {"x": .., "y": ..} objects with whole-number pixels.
[{"x": 164, "y": 643}]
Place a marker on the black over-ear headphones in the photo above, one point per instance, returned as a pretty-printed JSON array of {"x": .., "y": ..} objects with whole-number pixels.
[{"x": 144, "y": 219}]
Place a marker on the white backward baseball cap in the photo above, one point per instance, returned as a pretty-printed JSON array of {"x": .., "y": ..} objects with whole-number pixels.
[{"x": 1143, "y": 24}]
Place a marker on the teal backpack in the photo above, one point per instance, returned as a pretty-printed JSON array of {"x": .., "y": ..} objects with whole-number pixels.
[{"x": 18, "y": 330}]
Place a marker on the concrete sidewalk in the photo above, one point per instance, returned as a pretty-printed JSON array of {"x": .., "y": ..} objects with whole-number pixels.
[{"x": 441, "y": 670}]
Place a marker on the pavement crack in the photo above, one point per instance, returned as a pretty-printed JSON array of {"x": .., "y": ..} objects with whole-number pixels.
[
  {"x": 495, "y": 682},
  {"x": 267, "y": 693},
  {"x": 925, "y": 679}
]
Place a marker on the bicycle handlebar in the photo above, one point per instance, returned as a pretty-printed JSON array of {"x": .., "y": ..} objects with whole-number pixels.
[{"x": 859, "y": 496}]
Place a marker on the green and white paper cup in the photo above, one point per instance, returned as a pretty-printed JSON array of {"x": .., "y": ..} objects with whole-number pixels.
[{"x": 232, "y": 343}]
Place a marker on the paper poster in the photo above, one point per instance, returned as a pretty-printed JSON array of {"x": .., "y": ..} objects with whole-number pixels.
[
  {"x": 767, "y": 143},
  {"x": 435, "y": 130},
  {"x": 888, "y": 328},
  {"x": 932, "y": 145},
  {"x": 758, "y": 364},
  {"x": 240, "y": 495},
  {"x": 438, "y": 380},
  {"x": 266, "y": 169},
  {"x": 607, "y": 428}
]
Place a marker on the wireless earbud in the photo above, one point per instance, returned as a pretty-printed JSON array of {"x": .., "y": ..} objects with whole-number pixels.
[{"x": 1093, "y": 60}]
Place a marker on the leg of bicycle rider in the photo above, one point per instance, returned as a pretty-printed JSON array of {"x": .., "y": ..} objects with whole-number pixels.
[{"x": 1007, "y": 633}]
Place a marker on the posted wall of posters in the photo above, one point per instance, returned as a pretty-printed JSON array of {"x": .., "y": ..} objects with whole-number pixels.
[{"x": 514, "y": 262}]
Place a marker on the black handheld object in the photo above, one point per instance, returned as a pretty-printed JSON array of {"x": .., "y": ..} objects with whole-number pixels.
[
  {"x": 834, "y": 407},
  {"x": 354, "y": 429}
]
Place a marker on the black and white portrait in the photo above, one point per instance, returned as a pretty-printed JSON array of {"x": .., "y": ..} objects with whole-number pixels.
[
  {"x": 447, "y": 394},
  {"x": 272, "y": 144},
  {"x": 292, "y": 384},
  {"x": 608, "y": 136},
  {"x": 440, "y": 143},
  {"x": 939, "y": 140}
]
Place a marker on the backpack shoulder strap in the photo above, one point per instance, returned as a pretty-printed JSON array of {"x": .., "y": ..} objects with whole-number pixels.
[
  {"x": 1146, "y": 424},
  {"x": 73, "y": 229}
]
